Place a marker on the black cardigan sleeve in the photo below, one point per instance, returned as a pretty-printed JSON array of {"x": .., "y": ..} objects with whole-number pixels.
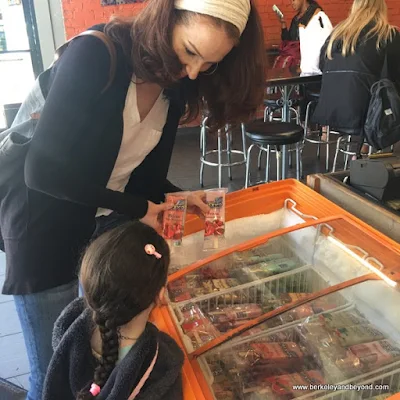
[
  {"x": 50, "y": 166},
  {"x": 394, "y": 60},
  {"x": 169, "y": 187},
  {"x": 285, "y": 35}
]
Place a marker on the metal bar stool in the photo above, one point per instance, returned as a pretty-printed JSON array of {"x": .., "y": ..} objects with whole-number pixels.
[
  {"x": 347, "y": 148},
  {"x": 278, "y": 135},
  {"x": 272, "y": 104},
  {"x": 220, "y": 151},
  {"x": 317, "y": 140}
]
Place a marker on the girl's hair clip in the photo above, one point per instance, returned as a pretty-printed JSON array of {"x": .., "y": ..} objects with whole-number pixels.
[
  {"x": 151, "y": 251},
  {"x": 94, "y": 389}
]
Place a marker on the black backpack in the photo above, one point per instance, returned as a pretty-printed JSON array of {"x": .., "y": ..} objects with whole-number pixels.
[{"x": 382, "y": 126}]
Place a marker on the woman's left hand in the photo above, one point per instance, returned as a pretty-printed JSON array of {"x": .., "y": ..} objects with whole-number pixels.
[{"x": 196, "y": 204}]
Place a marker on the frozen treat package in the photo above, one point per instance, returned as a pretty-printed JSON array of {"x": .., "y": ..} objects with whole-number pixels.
[
  {"x": 251, "y": 257},
  {"x": 266, "y": 269},
  {"x": 342, "y": 319},
  {"x": 225, "y": 318},
  {"x": 197, "y": 326},
  {"x": 174, "y": 218},
  {"x": 276, "y": 354},
  {"x": 285, "y": 385},
  {"x": 223, "y": 391},
  {"x": 214, "y": 230},
  {"x": 373, "y": 355},
  {"x": 358, "y": 334}
]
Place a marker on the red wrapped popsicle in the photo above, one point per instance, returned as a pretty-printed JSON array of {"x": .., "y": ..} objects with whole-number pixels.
[
  {"x": 214, "y": 230},
  {"x": 174, "y": 218}
]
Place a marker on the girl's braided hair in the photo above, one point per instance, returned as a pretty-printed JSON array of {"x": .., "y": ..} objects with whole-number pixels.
[{"x": 120, "y": 280}]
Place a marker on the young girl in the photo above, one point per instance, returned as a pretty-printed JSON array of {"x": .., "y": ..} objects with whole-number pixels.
[{"x": 104, "y": 346}]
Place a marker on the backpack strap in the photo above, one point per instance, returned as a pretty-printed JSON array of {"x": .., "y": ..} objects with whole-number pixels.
[{"x": 107, "y": 42}]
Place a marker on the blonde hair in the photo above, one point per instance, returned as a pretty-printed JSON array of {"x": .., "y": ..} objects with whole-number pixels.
[{"x": 363, "y": 12}]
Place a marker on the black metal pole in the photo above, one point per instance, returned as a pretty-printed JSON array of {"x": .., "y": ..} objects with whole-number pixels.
[{"x": 33, "y": 36}]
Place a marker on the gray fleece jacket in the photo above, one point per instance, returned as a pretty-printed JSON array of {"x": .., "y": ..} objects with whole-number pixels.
[{"x": 72, "y": 366}]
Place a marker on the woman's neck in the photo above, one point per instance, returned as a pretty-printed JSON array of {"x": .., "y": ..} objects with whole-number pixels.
[{"x": 304, "y": 8}]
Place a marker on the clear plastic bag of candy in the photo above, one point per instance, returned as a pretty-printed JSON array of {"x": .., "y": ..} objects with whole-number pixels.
[
  {"x": 214, "y": 229},
  {"x": 174, "y": 218}
]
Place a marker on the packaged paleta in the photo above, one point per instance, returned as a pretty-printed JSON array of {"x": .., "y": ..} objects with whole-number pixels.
[
  {"x": 214, "y": 229},
  {"x": 373, "y": 355},
  {"x": 174, "y": 218},
  {"x": 286, "y": 385},
  {"x": 225, "y": 318}
]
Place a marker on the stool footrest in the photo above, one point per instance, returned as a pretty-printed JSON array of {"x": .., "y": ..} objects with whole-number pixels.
[{"x": 225, "y": 165}]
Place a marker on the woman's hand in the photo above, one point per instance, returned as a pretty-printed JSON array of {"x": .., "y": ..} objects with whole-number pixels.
[
  {"x": 154, "y": 213},
  {"x": 196, "y": 204}
]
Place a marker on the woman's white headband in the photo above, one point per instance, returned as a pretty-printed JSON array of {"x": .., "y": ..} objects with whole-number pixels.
[{"x": 234, "y": 11}]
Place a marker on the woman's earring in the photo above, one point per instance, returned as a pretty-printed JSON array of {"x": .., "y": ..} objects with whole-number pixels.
[{"x": 213, "y": 70}]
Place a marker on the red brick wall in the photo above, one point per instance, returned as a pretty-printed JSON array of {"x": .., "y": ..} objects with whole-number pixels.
[{"x": 80, "y": 14}]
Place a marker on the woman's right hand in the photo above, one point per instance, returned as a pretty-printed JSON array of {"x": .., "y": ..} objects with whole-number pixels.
[{"x": 153, "y": 216}]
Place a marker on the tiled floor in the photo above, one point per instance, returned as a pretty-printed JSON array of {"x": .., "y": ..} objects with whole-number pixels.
[
  {"x": 184, "y": 173},
  {"x": 13, "y": 360}
]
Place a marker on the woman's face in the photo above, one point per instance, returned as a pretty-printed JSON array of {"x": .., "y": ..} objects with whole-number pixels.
[
  {"x": 200, "y": 45},
  {"x": 297, "y": 4}
]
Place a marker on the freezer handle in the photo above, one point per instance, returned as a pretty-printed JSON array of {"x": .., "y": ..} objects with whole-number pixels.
[
  {"x": 373, "y": 260},
  {"x": 364, "y": 253},
  {"x": 293, "y": 207}
]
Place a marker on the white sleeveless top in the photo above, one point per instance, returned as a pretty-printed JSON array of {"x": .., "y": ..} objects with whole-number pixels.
[{"x": 138, "y": 140}]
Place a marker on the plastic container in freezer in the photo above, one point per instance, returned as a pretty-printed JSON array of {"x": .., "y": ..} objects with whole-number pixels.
[{"x": 315, "y": 302}]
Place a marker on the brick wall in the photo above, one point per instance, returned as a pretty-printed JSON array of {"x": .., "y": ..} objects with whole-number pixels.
[{"x": 80, "y": 14}]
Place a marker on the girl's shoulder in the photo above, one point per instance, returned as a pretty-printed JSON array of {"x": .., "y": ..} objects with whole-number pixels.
[{"x": 169, "y": 348}]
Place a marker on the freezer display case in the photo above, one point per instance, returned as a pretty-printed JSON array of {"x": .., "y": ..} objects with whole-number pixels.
[
  {"x": 305, "y": 308},
  {"x": 253, "y": 212}
]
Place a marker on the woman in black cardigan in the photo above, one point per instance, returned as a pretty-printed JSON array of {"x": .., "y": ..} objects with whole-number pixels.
[{"x": 96, "y": 153}]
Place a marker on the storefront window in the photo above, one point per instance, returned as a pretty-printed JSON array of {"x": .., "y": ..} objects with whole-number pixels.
[{"x": 16, "y": 72}]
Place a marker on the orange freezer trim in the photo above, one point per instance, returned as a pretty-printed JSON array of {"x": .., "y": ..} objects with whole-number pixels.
[
  {"x": 191, "y": 388},
  {"x": 259, "y": 199}
]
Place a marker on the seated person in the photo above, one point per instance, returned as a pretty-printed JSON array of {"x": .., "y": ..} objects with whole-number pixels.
[
  {"x": 352, "y": 60},
  {"x": 311, "y": 26},
  {"x": 104, "y": 346}
]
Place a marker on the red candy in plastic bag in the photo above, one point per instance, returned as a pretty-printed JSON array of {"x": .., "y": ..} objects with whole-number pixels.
[
  {"x": 174, "y": 218},
  {"x": 214, "y": 230}
]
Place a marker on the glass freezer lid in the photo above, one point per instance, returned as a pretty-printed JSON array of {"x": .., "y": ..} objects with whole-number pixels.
[
  {"x": 237, "y": 231},
  {"x": 318, "y": 357},
  {"x": 266, "y": 274}
]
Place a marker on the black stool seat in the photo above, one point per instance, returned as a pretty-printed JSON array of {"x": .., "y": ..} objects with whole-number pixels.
[
  {"x": 274, "y": 133},
  {"x": 348, "y": 131},
  {"x": 313, "y": 96}
]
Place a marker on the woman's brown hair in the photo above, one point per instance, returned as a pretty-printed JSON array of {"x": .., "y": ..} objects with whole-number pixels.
[
  {"x": 232, "y": 94},
  {"x": 120, "y": 280}
]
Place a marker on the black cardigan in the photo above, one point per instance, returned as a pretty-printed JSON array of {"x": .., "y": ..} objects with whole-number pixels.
[
  {"x": 47, "y": 216},
  {"x": 346, "y": 81},
  {"x": 72, "y": 366}
]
